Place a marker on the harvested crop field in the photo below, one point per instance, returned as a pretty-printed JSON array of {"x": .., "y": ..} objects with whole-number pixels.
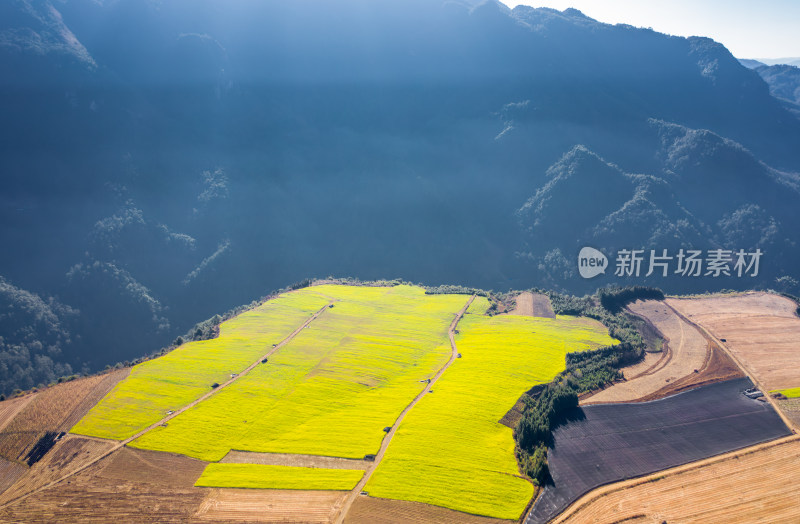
[
  {"x": 607, "y": 443},
  {"x": 288, "y": 459},
  {"x": 10, "y": 408},
  {"x": 752, "y": 486},
  {"x": 685, "y": 352},
  {"x": 269, "y": 506},
  {"x": 56, "y": 408},
  {"x": 370, "y": 510},
  {"x": 68, "y": 455},
  {"x": 760, "y": 329},
  {"x": 152, "y": 467},
  {"x": 9, "y": 473},
  {"x": 791, "y": 408},
  {"x": 533, "y": 305},
  {"x": 88, "y": 497}
]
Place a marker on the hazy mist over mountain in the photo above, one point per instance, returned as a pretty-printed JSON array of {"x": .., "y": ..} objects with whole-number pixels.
[{"x": 165, "y": 161}]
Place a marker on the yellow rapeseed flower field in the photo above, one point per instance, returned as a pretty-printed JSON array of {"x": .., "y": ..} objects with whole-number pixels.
[
  {"x": 333, "y": 389},
  {"x": 450, "y": 450},
  {"x": 277, "y": 477},
  {"x": 181, "y": 376}
]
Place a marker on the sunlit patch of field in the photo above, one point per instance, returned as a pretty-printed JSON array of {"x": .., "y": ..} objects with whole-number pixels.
[
  {"x": 450, "y": 450},
  {"x": 333, "y": 389},
  {"x": 278, "y": 477},
  {"x": 181, "y": 376},
  {"x": 789, "y": 393}
]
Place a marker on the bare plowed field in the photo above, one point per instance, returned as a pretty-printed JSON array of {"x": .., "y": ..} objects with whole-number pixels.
[
  {"x": 369, "y": 510},
  {"x": 9, "y": 473},
  {"x": 760, "y": 329},
  {"x": 270, "y": 506},
  {"x": 606, "y": 443},
  {"x": 68, "y": 455},
  {"x": 533, "y": 305},
  {"x": 152, "y": 467},
  {"x": 760, "y": 486},
  {"x": 56, "y": 408},
  {"x": 89, "y": 498},
  {"x": 289, "y": 459},
  {"x": 685, "y": 351},
  {"x": 10, "y": 408}
]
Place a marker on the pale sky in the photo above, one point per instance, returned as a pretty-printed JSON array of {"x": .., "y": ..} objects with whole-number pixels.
[{"x": 748, "y": 28}]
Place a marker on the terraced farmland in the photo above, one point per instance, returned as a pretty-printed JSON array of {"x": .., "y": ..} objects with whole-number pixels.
[
  {"x": 450, "y": 450},
  {"x": 333, "y": 389},
  {"x": 183, "y": 375},
  {"x": 54, "y": 409}
]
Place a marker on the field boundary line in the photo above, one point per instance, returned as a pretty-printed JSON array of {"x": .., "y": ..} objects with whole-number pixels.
[
  {"x": 615, "y": 487},
  {"x": 742, "y": 366},
  {"x": 354, "y": 493},
  {"x": 206, "y": 396}
]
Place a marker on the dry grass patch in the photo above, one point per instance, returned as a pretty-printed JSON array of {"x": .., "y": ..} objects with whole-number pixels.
[
  {"x": 270, "y": 506},
  {"x": 294, "y": 460}
]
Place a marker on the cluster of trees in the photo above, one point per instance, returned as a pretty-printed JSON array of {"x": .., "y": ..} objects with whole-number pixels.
[
  {"x": 35, "y": 334},
  {"x": 614, "y": 299},
  {"x": 448, "y": 289},
  {"x": 585, "y": 371}
]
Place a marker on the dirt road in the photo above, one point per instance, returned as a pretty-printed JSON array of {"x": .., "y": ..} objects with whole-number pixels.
[
  {"x": 388, "y": 438},
  {"x": 166, "y": 419}
]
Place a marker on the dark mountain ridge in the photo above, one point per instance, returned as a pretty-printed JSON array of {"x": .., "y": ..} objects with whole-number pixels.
[{"x": 163, "y": 161}]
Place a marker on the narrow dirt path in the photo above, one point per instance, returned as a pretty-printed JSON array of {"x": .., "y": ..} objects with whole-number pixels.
[
  {"x": 164, "y": 420},
  {"x": 351, "y": 497}
]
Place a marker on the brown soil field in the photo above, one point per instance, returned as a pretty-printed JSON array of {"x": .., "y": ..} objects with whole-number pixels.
[
  {"x": 791, "y": 408},
  {"x": 10, "y": 472},
  {"x": 370, "y": 510},
  {"x": 685, "y": 351},
  {"x": 87, "y": 497},
  {"x": 270, "y": 506},
  {"x": 755, "y": 485},
  {"x": 717, "y": 367},
  {"x": 533, "y": 305},
  {"x": 56, "y": 408},
  {"x": 760, "y": 330},
  {"x": 68, "y": 455},
  {"x": 288, "y": 459},
  {"x": 152, "y": 467},
  {"x": 10, "y": 408}
]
